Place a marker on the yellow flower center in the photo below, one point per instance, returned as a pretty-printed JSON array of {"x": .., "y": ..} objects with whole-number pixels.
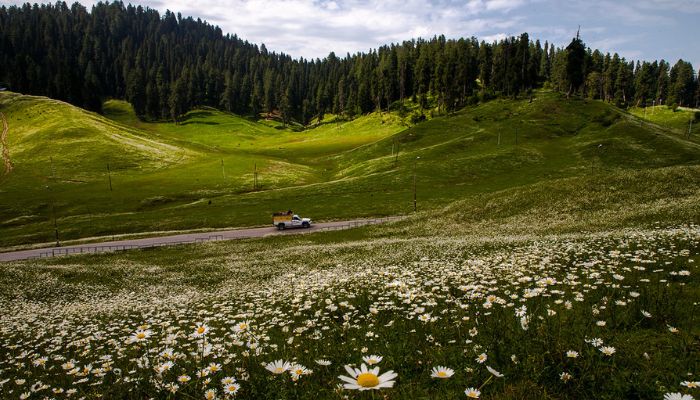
[
  {"x": 279, "y": 370},
  {"x": 140, "y": 335},
  {"x": 442, "y": 374},
  {"x": 200, "y": 330},
  {"x": 367, "y": 379}
]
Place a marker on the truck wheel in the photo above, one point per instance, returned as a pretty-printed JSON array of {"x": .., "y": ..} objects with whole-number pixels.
[
  {"x": 305, "y": 225},
  {"x": 280, "y": 227}
]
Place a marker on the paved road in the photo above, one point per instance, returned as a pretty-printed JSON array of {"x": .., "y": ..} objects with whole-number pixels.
[{"x": 119, "y": 245}]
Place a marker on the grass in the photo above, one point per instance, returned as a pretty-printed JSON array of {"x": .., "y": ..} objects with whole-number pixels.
[
  {"x": 62, "y": 164},
  {"x": 334, "y": 171},
  {"x": 520, "y": 253},
  {"x": 676, "y": 121},
  {"x": 530, "y": 277}
]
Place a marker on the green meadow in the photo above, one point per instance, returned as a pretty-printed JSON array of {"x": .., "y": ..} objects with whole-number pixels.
[
  {"x": 677, "y": 121},
  {"x": 200, "y": 174}
]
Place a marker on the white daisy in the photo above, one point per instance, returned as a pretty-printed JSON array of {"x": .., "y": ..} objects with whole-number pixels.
[
  {"x": 278, "y": 367},
  {"x": 366, "y": 379},
  {"x": 373, "y": 359},
  {"x": 441, "y": 372},
  {"x": 472, "y": 393}
]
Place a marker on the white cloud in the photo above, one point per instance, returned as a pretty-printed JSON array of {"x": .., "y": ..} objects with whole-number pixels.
[{"x": 313, "y": 28}]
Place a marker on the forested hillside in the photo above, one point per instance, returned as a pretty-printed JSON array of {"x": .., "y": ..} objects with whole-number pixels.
[{"x": 167, "y": 64}]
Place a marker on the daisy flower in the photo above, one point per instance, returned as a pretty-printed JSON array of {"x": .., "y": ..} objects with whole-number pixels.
[
  {"x": 373, "y": 359},
  {"x": 322, "y": 362},
  {"x": 441, "y": 372},
  {"x": 241, "y": 326},
  {"x": 677, "y": 396},
  {"x": 231, "y": 388},
  {"x": 366, "y": 379},
  {"x": 494, "y": 372},
  {"x": 228, "y": 380},
  {"x": 200, "y": 331},
  {"x": 607, "y": 350},
  {"x": 210, "y": 394},
  {"x": 691, "y": 385},
  {"x": 472, "y": 393},
  {"x": 481, "y": 358},
  {"x": 278, "y": 367},
  {"x": 565, "y": 376},
  {"x": 141, "y": 335},
  {"x": 40, "y": 362},
  {"x": 572, "y": 354},
  {"x": 297, "y": 371}
]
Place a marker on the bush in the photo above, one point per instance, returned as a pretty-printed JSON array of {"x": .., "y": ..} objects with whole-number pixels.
[
  {"x": 674, "y": 107},
  {"x": 417, "y": 117},
  {"x": 697, "y": 116}
]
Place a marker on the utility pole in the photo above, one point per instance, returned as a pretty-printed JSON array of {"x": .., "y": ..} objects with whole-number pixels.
[
  {"x": 255, "y": 176},
  {"x": 109, "y": 175},
  {"x": 53, "y": 212},
  {"x": 415, "y": 205},
  {"x": 690, "y": 127}
]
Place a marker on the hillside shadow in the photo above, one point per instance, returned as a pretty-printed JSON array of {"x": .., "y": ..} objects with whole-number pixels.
[{"x": 203, "y": 114}]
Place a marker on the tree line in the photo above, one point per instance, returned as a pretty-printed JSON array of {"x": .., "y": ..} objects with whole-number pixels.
[{"x": 165, "y": 65}]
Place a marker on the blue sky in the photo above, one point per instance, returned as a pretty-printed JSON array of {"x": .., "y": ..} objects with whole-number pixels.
[{"x": 641, "y": 29}]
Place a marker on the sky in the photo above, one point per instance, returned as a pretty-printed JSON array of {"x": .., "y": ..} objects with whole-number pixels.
[{"x": 636, "y": 29}]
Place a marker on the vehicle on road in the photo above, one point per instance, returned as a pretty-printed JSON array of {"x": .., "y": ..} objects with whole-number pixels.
[{"x": 287, "y": 219}]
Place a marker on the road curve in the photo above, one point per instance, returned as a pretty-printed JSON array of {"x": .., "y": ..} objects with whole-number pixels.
[{"x": 119, "y": 245}]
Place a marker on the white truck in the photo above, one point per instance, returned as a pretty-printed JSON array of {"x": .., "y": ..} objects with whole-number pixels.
[{"x": 287, "y": 219}]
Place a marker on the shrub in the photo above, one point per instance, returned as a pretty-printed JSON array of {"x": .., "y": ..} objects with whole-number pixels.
[{"x": 417, "y": 117}]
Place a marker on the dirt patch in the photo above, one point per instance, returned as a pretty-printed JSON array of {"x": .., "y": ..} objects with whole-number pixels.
[{"x": 3, "y": 143}]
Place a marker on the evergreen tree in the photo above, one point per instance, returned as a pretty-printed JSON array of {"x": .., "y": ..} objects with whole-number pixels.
[
  {"x": 682, "y": 84},
  {"x": 177, "y": 100},
  {"x": 575, "y": 55}
]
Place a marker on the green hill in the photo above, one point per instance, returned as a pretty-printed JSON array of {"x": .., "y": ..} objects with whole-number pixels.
[{"x": 170, "y": 177}]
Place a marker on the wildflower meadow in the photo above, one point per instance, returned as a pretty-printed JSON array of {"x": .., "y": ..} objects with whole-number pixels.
[{"x": 606, "y": 315}]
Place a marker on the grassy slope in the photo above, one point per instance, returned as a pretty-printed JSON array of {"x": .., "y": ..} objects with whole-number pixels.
[
  {"x": 460, "y": 157},
  {"x": 153, "y": 166},
  {"x": 675, "y": 121}
]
